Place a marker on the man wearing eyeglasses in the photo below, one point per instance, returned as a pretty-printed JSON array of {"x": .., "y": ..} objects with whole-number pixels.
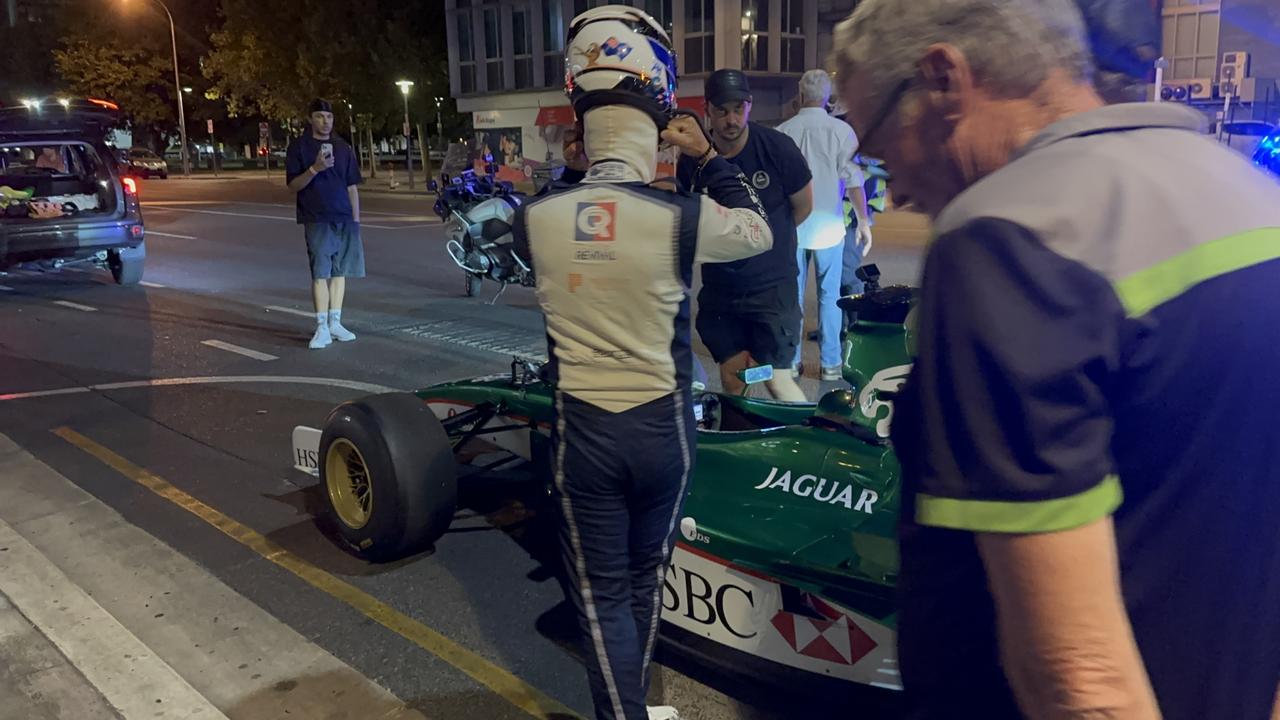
[{"x": 1090, "y": 475}]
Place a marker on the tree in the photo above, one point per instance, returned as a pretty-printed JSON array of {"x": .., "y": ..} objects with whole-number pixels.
[
  {"x": 271, "y": 59},
  {"x": 140, "y": 80}
]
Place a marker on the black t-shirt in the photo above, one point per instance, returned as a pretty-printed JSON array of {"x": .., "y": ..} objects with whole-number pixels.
[
  {"x": 325, "y": 199},
  {"x": 774, "y": 165}
]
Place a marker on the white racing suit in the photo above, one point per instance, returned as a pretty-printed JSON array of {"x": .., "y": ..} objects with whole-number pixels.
[{"x": 614, "y": 262}]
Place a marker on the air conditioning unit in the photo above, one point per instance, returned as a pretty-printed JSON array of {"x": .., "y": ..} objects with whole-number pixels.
[
  {"x": 1235, "y": 68},
  {"x": 1187, "y": 90}
]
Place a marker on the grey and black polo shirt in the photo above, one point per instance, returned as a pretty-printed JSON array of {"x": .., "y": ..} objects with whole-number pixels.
[{"x": 1099, "y": 334}]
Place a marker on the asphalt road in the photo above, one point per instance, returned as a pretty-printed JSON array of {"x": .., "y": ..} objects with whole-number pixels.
[{"x": 226, "y": 295}]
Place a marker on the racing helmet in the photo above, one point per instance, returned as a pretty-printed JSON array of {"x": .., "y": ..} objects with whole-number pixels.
[{"x": 619, "y": 55}]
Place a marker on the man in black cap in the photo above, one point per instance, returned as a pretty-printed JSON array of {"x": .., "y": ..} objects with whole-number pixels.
[
  {"x": 748, "y": 311},
  {"x": 323, "y": 172}
]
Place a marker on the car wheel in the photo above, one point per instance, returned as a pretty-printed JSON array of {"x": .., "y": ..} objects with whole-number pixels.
[
  {"x": 126, "y": 264},
  {"x": 473, "y": 284},
  {"x": 388, "y": 476},
  {"x": 164, "y": 176}
]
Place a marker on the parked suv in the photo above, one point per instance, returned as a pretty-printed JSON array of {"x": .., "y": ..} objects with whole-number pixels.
[{"x": 63, "y": 197}]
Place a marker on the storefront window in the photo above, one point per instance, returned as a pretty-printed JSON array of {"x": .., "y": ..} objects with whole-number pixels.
[
  {"x": 755, "y": 34},
  {"x": 793, "y": 36},
  {"x": 699, "y": 36}
]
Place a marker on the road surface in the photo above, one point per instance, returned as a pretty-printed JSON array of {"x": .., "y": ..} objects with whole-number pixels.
[{"x": 171, "y": 404}]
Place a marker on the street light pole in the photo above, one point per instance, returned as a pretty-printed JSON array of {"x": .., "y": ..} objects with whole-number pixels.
[
  {"x": 439, "y": 124},
  {"x": 177, "y": 88},
  {"x": 408, "y": 133}
]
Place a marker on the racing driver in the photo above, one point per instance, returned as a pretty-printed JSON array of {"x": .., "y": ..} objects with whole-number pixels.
[{"x": 614, "y": 260}]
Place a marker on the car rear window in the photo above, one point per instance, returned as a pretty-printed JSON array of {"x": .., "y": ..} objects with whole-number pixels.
[{"x": 68, "y": 174}]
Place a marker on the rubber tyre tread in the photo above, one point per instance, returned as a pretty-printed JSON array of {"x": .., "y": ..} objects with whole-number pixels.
[{"x": 410, "y": 461}]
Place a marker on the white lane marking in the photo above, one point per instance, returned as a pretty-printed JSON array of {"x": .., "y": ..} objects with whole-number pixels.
[
  {"x": 144, "y": 283},
  {"x": 221, "y": 212},
  {"x": 75, "y": 306},
  {"x": 171, "y": 235},
  {"x": 207, "y": 380},
  {"x": 887, "y": 671},
  {"x": 291, "y": 311},
  {"x": 239, "y": 350},
  {"x": 6, "y": 288},
  {"x": 166, "y": 203},
  {"x": 253, "y": 215}
]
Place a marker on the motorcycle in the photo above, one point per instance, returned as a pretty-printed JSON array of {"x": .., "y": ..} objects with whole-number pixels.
[{"x": 478, "y": 210}]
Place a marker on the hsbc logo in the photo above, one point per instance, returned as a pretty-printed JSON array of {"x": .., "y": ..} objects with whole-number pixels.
[{"x": 597, "y": 222}]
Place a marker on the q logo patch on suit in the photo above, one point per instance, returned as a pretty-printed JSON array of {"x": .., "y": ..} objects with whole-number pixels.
[{"x": 597, "y": 222}]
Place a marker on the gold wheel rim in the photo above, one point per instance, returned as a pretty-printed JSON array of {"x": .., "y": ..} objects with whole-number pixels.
[{"x": 350, "y": 489}]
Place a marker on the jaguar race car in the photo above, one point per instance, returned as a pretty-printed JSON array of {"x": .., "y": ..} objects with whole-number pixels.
[{"x": 786, "y": 555}]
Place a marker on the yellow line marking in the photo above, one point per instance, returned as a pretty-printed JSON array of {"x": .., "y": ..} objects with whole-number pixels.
[{"x": 500, "y": 681}]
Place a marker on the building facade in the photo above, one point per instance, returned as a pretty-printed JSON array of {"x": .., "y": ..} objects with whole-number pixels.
[{"x": 506, "y": 61}]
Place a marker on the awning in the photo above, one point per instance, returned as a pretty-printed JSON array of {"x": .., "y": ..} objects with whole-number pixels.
[
  {"x": 697, "y": 103},
  {"x": 559, "y": 115}
]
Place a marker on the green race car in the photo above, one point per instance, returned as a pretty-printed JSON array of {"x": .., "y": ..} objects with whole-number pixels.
[{"x": 786, "y": 559}]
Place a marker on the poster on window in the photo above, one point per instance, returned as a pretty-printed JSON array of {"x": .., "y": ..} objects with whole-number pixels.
[{"x": 503, "y": 147}]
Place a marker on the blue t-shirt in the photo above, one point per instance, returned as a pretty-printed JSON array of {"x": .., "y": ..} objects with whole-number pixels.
[
  {"x": 325, "y": 198},
  {"x": 774, "y": 165}
]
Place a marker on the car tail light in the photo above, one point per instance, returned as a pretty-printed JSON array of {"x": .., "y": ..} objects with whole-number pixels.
[
  {"x": 136, "y": 230},
  {"x": 130, "y": 186}
]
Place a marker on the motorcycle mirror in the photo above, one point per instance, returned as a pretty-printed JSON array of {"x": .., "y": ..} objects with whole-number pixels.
[
  {"x": 492, "y": 168},
  {"x": 433, "y": 186},
  {"x": 444, "y": 178}
]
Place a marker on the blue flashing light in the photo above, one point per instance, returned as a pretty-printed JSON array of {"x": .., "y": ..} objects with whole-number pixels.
[{"x": 1267, "y": 155}]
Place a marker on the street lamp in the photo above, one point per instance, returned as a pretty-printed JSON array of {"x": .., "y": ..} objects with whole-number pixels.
[
  {"x": 408, "y": 135},
  {"x": 177, "y": 84},
  {"x": 439, "y": 123}
]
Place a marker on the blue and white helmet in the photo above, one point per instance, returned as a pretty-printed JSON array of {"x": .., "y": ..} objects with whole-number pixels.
[{"x": 618, "y": 55}]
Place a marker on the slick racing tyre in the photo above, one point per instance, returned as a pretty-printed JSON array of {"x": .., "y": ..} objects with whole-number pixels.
[{"x": 387, "y": 475}]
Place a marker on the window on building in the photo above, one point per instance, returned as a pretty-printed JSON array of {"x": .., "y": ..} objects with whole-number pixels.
[
  {"x": 792, "y": 36},
  {"x": 660, "y": 10},
  {"x": 493, "y": 49},
  {"x": 466, "y": 53},
  {"x": 699, "y": 36},
  {"x": 755, "y": 35},
  {"x": 553, "y": 32},
  {"x": 522, "y": 46},
  {"x": 1191, "y": 38}
]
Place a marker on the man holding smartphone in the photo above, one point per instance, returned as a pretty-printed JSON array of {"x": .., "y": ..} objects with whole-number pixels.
[{"x": 322, "y": 171}]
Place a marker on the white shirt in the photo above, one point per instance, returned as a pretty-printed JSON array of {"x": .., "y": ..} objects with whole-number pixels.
[{"x": 828, "y": 145}]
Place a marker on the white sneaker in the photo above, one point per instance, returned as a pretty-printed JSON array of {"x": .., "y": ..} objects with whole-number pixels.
[
  {"x": 340, "y": 333},
  {"x": 663, "y": 712},
  {"x": 322, "y": 338}
]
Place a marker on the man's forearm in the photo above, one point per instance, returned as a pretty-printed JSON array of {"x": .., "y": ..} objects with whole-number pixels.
[
  {"x": 354, "y": 193},
  {"x": 859, "y": 198},
  {"x": 297, "y": 184},
  {"x": 1066, "y": 642}
]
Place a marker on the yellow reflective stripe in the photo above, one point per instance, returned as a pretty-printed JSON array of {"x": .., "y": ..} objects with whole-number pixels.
[
  {"x": 1037, "y": 516},
  {"x": 1148, "y": 289}
]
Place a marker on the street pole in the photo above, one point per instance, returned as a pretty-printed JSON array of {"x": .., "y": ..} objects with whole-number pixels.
[
  {"x": 408, "y": 130},
  {"x": 439, "y": 124},
  {"x": 177, "y": 86}
]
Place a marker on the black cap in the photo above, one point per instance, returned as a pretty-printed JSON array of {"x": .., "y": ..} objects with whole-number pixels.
[
  {"x": 727, "y": 86},
  {"x": 320, "y": 105}
]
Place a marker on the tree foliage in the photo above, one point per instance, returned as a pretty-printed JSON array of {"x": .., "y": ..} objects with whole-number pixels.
[
  {"x": 271, "y": 59},
  {"x": 137, "y": 78}
]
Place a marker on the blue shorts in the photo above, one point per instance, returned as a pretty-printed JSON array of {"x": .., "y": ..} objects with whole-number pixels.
[{"x": 335, "y": 249}]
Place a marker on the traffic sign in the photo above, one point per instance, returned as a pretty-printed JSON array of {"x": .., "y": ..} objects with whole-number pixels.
[
  {"x": 406, "y": 129},
  {"x": 264, "y": 130}
]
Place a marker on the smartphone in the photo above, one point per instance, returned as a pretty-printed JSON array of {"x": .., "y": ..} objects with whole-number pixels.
[{"x": 326, "y": 149}]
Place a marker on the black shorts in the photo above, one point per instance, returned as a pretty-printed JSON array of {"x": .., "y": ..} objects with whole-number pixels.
[{"x": 765, "y": 323}]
